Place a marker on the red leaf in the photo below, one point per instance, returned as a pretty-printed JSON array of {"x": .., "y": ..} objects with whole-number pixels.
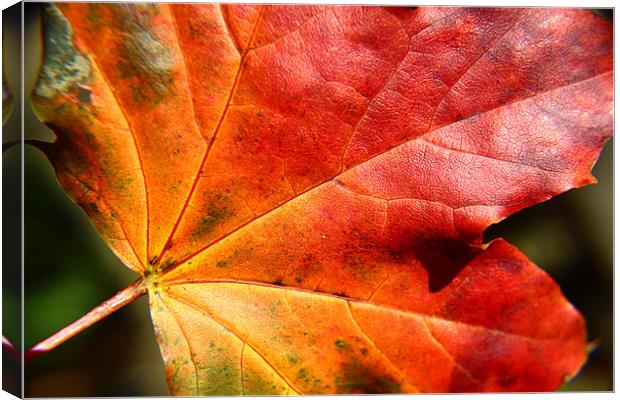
[{"x": 304, "y": 189}]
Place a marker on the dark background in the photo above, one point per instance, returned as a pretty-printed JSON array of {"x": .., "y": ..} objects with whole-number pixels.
[
  {"x": 69, "y": 269},
  {"x": 11, "y": 229}
]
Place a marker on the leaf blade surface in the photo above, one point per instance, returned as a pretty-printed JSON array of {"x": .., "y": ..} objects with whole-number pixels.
[{"x": 295, "y": 180}]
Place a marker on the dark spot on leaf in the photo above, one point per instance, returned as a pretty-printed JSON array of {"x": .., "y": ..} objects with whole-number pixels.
[
  {"x": 93, "y": 15},
  {"x": 94, "y": 207},
  {"x": 84, "y": 95},
  {"x": 506, "y": 380},
  {"x": 168, "y": 263},
  {"x": 146, "y": 58},
  {"x": 357, "y": 378},
  {"x": 292, "y": 358},
  {"x": 216, "y": 212}
]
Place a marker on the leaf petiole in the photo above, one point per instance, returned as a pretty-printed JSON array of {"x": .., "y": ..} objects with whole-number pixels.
[{"x": 116, "y": 302}]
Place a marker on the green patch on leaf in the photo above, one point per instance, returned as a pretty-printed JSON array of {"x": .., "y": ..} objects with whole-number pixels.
[
  {"x": 64, "y": 67},
  {"x": 340, "y": 344}
]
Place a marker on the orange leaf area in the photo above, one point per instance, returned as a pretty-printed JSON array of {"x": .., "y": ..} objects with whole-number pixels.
[{"x": 305, "y": 188}]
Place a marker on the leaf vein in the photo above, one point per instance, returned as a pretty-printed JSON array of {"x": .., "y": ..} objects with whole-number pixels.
[
  {"x": 191, "y": 353},
  {"x": 113, "y": 210},
  {"x": 213, "y": 137},
  {"x": 365, "y": 335},
  {"x": 444, "y": 147},
  {"x": 443, "y": 348},
  {"x": 228, "y": 29},
  {"x": 135, "y": 143},
  {"x": 408, "y": 313},
  {"x": 402, "y": 143},
  {"x": 297, "y": 29},
  {"x": 213, "y": 316},
  {"x": 475, "y": 62},
  {"x": 241, "y": 378}
]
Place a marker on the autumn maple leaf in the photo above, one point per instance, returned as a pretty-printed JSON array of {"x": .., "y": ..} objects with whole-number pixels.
[{"x": 303, "y": 189}]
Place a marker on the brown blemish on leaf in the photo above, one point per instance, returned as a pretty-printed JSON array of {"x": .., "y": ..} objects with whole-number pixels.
[
  {"x": 358, "y": 378},
  {"x": 93, "y": 16},
  {"x": 84, "y": 95},
  {"x": 145, "y": 57},
  {"x": 216, "y": 213},
  {"x": 340, "y": 344}
]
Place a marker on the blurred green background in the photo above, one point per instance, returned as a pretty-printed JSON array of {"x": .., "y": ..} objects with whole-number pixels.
[
  {"x": 11, "y": 228},
  {"x": 69, "y": 269}
]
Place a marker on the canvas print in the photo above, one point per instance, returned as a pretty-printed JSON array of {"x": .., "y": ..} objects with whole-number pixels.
[{"x": 296, "y": 199}]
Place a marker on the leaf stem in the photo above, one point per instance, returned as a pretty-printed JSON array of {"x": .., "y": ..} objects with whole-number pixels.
[{"x": 114, "y": 303}]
